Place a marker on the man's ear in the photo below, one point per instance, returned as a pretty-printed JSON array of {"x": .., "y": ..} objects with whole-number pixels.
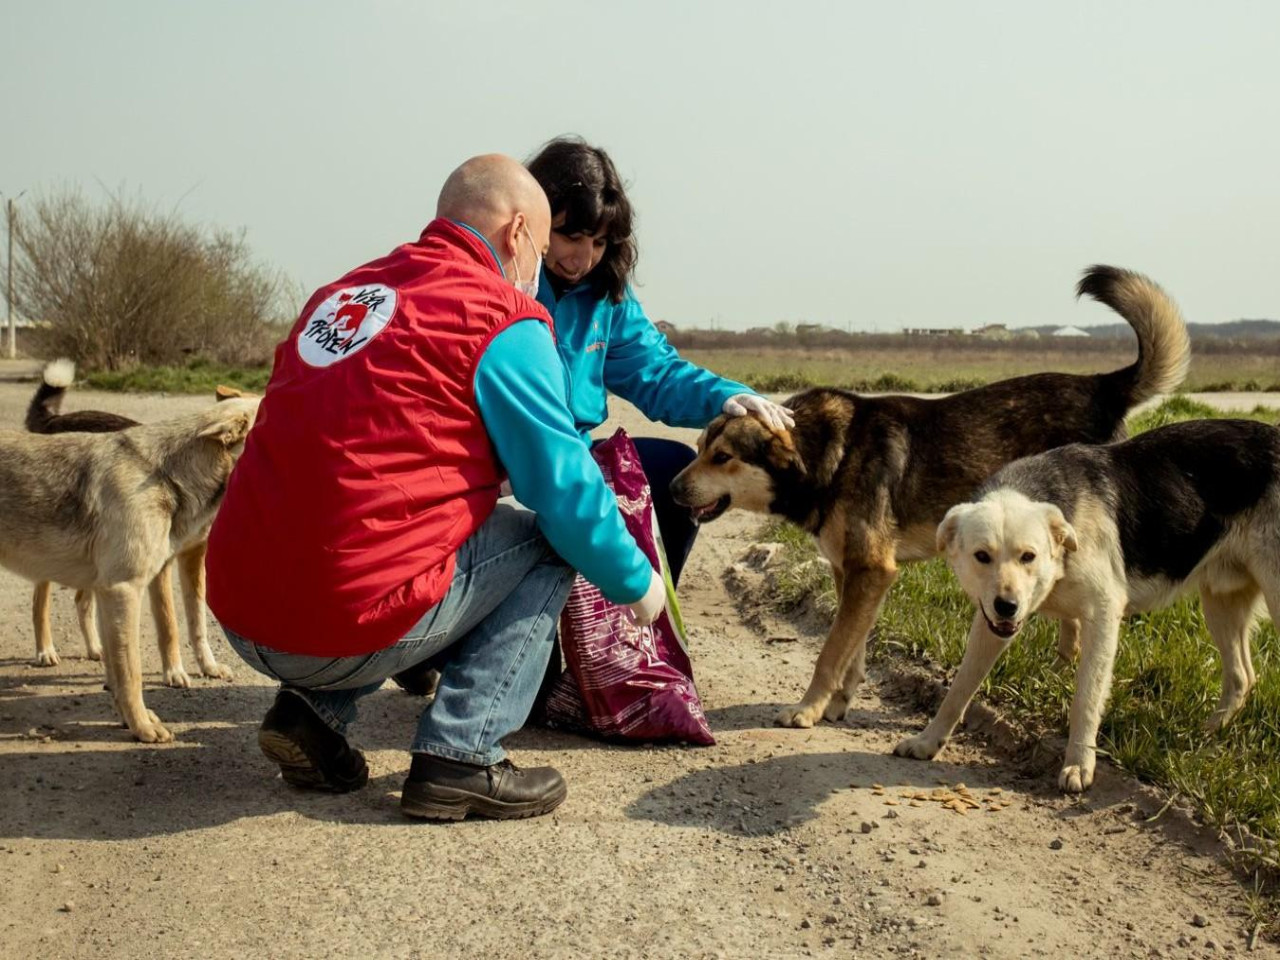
[
  {"x": 512, "y": 233},
  {"x": 1061, "y": 533},
  {"x": 949, "y": 527}
]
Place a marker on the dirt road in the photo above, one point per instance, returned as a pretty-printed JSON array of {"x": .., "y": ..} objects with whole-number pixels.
[{"x": 770, "y": 844}]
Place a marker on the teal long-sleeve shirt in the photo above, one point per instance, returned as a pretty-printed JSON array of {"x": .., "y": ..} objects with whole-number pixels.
[
  {"x": 520, "y": 390},
  {"x": 611, "y": 347},
  {"x": 540, "y": 398}
]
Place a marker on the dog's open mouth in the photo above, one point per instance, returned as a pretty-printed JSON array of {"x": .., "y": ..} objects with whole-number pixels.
[
  {"x": 1004, "y": 629},
  {"x": 709, "y": 511}
]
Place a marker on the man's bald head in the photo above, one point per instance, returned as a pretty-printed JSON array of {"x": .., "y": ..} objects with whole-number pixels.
[
  {"x": 487, "y": 190},
  {"x": 496, "y": 196}
]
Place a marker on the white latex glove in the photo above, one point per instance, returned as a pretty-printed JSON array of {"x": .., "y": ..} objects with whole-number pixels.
[
  {"x": 773, "y": 415},
  {"x": 646, "y": 610}
]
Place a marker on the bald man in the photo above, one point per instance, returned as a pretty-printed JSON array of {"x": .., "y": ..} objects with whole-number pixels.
[{"x": 361, "y": 533}]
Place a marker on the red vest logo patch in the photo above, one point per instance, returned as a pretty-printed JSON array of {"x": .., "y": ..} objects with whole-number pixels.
[{"x": 345, "y": 323}]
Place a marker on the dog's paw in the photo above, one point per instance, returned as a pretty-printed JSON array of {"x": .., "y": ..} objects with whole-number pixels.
[
  {"x": 46, "y": 658},
  {"x": 153, "y": 731},
  {"x": 837, "y": 708},
  {"x": 797, "y": 715},
  {"x": 1075, "y": 778},
  {"x": 918, "y": 747},
  {"x": 93, "y": 653},
  {"x": 1226, "y": 710},
  {"x": 217, "y": 671},
  {"x": 1219, "y": 719},
  {"x": 177, "y": 677}
]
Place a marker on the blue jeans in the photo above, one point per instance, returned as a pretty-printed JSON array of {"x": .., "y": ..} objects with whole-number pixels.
[
  {"x": 499, "y": 617},
  {"x": 662, "y": 460}
]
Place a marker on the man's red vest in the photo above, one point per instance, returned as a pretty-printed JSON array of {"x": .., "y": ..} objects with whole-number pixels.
[{"x": 368, "y": 465}]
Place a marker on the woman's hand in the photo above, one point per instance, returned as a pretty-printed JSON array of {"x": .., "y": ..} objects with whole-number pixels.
[{"x": 773, "y": 415}]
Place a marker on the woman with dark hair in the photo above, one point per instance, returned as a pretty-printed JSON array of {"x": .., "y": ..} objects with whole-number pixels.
[{"x": 607, "y": 343}]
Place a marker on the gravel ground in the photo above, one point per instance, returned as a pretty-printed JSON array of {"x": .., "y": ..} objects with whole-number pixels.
[{"x": 773, "y": 843}]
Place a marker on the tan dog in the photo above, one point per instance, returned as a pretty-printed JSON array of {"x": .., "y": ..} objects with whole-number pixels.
[
  {"x": 871, "y": 477},
  {"x": 106, "y": 512},
  {"x": 44, "y": 415}
]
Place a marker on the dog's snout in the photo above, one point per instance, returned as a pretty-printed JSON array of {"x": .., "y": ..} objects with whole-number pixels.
[
  {"x": 676, "y": 488},
  {"x": 1005, "y": 608}
]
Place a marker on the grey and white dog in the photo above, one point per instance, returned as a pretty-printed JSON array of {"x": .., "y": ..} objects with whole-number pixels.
[
  {"x": 105, "y": 512},
  {"x": 45, "y": 415},
  {"x": 1094, "y": 533}
]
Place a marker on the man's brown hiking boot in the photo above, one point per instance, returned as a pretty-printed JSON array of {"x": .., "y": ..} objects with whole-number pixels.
[{"x": 440, "y": 789}]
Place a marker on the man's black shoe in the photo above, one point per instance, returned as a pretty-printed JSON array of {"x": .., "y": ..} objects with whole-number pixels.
[
  {"x": 419, "y": 680},
  {"x": 309, "y": 753},
  {"x": 439, "y": 789}
]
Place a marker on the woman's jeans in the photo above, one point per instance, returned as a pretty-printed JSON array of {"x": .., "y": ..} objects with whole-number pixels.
[
  {"x": 662, "y": 460},
  {"x": 498, "y": 621}
]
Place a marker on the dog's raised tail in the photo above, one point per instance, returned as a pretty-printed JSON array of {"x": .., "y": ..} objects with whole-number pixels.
[
  {"x": 47, "y": 403},
  {"x": 1164, "y": 347}
]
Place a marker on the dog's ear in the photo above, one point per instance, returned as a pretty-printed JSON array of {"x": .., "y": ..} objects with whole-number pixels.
[
  {"x": 712, "y": 431},
  {"x": 783, "y": 453},
  {"x": 229, "y": 431},
  {"x": 1061, "y": 533},
  {"x": 223, "y": 392},
  {"x": 949, "y": 527}
]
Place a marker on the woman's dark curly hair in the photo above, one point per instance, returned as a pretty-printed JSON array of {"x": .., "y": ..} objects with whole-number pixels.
[{"x": 581, "y": 181}]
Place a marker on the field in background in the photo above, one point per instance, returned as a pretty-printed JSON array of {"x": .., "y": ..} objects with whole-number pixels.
[
  {"x": 920, "y": 366},
  {"x": 1167, "y": 678},
  {"x": 928, "y": 369}
]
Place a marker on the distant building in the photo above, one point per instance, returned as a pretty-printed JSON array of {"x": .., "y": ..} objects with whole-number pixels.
[
  {"x": 1027, "y": 334},
  {"x": 994, "y": 331},
  {"x": 803, "y": 329},
  {"x": 932, "y": 332},
  {"x": 1070, "y": 332}
]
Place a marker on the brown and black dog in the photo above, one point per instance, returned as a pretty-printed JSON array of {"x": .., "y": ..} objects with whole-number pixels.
[
  {"x": 45, "y": 416},
  {"x": 871, "y": 477}
]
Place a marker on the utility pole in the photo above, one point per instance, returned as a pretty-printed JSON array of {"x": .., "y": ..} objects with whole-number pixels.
[{"x": 11, "y": 215}]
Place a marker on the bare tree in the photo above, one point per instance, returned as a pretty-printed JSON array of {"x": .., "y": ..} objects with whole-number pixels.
[{"x": 118, "y": 283}]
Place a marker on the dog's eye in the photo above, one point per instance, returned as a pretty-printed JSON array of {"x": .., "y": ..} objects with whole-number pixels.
[
  {"x": 982, "y": 556},
  {"x": 720, "y": 457},
  {"x": 1028, "y": 557}
]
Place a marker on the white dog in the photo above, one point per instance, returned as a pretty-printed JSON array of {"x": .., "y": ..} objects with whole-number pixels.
[{"x": 1093, "y": 534}]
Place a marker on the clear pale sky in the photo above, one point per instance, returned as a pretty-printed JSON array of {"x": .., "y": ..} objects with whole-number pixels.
[{"x": 869, "y": 165}]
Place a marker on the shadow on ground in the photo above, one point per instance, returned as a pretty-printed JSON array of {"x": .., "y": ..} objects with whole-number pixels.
[{"x": 779, "y": 793}]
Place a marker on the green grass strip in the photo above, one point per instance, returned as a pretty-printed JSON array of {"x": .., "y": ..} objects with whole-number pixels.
[{"x": 197, "y": 377}]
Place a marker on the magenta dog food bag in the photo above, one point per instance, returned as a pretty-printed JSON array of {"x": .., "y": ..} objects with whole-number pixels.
[{"x": 623, "y": 680}]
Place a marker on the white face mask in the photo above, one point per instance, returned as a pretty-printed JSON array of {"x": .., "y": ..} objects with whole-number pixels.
[{"x": 529, "y": 287}]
